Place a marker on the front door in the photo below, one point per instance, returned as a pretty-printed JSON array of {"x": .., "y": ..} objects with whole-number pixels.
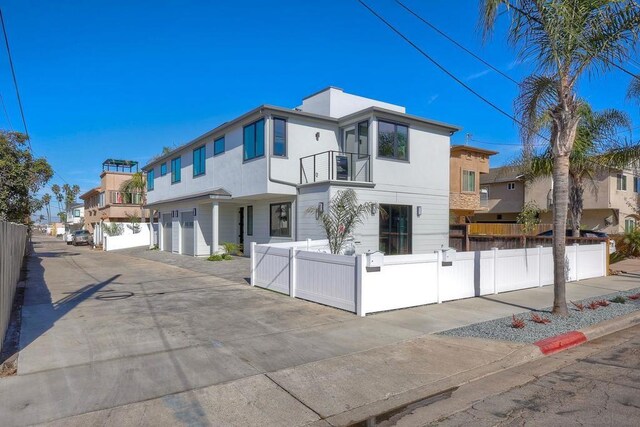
[
  {"x": 395, "y": 229},
  {"x": 241, "y": 226}
]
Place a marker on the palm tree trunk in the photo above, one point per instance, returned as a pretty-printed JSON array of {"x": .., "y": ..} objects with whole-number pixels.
[
  {"x": 560, "y": 204},
  {"x": 576, "y": 203}
]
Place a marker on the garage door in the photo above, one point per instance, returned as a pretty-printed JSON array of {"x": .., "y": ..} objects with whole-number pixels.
[
  {"x": 186, "y": 223},
  {"x": 166, "y": 232}
]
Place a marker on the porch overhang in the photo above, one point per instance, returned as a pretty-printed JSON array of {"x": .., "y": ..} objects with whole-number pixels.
[{"x": 217, "y": 194}]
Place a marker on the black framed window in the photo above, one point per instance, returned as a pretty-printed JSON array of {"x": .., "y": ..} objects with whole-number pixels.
[
  {"x": 199, "y": 161},
  {"x": 163, "y": 169},
  {"x": 176, "y": 172},
  {"x": 363, "y": 139},
  {"x": 280, "y": 220},
  {"x": 279, "y": 137},
  {"x": 393, "y": 140},
  {"x": 395, "y": 229},
  {"x": 218, "y": 146},
  {"x": 636, "y": 184},
  {"x": 253, "y": 140},
  {"x": 249, "y": 220}
]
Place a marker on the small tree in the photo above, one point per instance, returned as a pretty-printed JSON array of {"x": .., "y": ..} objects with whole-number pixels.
[
  {"x": 112, "y": 229},
  {"x": 134, "y": 222},
  {"x": 341, "y": 217},
  {"x": 529, "y": 218}
]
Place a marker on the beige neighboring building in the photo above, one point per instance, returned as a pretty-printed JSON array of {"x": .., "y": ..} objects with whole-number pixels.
[
  {"x": 608, "y": 203},
  {"x": 466, "y": 167},
  {"x": 107, "y": 203}
]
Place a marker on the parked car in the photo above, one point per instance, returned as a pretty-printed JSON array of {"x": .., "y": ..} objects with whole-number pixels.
[
  {"x": 82, "y": 237},
  {"x": 586, "y": 233}
]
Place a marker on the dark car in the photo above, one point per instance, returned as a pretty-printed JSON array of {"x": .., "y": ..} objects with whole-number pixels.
[
  {"x": 82, "y": 237},
  {"x": 585, "y": 233}
]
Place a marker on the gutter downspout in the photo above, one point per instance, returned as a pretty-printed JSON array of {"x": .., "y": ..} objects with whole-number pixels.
[{"x": 274, "y": 180}]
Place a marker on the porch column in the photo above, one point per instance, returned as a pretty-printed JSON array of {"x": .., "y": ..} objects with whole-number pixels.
[
  {"x": 214, "y": 228},
  {"x": 151, "y": 213}
]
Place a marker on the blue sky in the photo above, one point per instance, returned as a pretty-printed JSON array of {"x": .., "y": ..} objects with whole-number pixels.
[{"x": 122, "y": 79}]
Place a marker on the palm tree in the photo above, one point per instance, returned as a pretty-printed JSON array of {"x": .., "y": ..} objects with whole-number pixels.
[
  {"x": 46, "y": 201},
  {"x": 342, "y": 216},
  {"x": 57, "y": 192},
  {"x": 596, "y": 140},
  {"x": 566, "y": 39},
  {"x": 134, "y": 189}
]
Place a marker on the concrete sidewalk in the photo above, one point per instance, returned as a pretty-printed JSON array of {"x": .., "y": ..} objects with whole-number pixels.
[{"x": 115, "y": 339}]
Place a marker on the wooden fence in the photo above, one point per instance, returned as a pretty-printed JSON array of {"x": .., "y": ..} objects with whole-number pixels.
[
  {"x": 13, "y": 239},
  {"x": 504, "y": 229}
]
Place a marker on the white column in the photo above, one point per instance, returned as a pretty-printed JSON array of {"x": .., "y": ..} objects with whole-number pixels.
[{"x": 214, "y": 228}]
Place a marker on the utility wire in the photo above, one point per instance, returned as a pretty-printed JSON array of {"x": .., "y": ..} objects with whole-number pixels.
[
  {"x": 443, "y": 34},
  {"x": 15, "y": 81},
  {"x": 6, "y": 114}
]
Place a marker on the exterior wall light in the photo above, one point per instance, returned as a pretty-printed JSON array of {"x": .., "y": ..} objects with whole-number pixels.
[
  {"x": 374, "y": 209},
  {"x": 317, "y": 136},
  {"x": 194, "y": 211},
  {"x": 419, "y": 210},
  {"x": 321, "y": 207}
]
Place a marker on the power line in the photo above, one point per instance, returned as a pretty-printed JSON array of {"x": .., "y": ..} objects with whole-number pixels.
[
  {"x": 443, "y": 34},
  {"x": 15, "y": 81},
  {"x": 6, "y": 114}
]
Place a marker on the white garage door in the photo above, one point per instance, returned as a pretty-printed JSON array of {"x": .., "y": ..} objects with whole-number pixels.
[
  {"x": 186, "y": 223},
  {"x": 166, "y": 232}
]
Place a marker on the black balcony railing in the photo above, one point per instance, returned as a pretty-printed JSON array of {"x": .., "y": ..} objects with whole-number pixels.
[{"x": 335, "y": 166}]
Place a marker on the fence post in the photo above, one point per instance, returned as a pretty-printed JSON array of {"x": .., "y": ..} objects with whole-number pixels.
[
  {"x": 577, "y": 247},
  {"x": 360, "y": 307},
  {"x": 253, "y": 263},
  {"x": 292, "y": 272},
  {"x": 495, "y": 270},
  {"x": 438, "y": 276},
  {"x": 308, "y": 244},
  {"x": 539, "y": 266},
  {"x": 605, "y": 257}
]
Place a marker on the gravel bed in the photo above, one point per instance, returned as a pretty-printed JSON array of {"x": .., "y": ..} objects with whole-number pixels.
[{"x": 501, "y": 329}]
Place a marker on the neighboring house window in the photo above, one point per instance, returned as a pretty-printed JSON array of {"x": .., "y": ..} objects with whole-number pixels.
[
  {"x": 468, "y": 181},
  {"x": 249, "y": 220},
  {"x": 393, "y": 141},
  {"x": 511, "y": 186},
  {"x": 163, "y": 169},
  {"x": 150, "y": 177},
  {"x": 363, "y": 139},
  {"x": 176, "y": 165},
  {"x": 101, "y": 200},
  {"x": 279, "y": 137},
  {"x": 199, "y": 161},
  {"x": 253, "y": 140},
  {"x": 76, "y": 213},
  {"x": 629, "y": 225},
  {"x": 218, "y": 146},
  {"x": 621, "y": 182},
  {"x": 636, "y": 184},
  {"x": 280, "y": 220},
  {"x": 395, "y": 229},
  {"x": 484, "y": 196}
]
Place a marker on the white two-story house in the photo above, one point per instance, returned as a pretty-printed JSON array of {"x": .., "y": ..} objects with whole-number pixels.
[{"x": 253, "y": 178}]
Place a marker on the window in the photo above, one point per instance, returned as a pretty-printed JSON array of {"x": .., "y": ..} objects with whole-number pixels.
[
  {"x": 393, "y": 141},
  {"x": 176, "y": 164},
  {"x": 636, "y": 184},
  {"x": 249, "y": 220},
  {"x": 629, "y": 225},
  {"x": 150, "y": 177},
  {"x": 218, "y": 146},
  {"x": 484, "y": 196},
  {"x": 253, "y": 140},
  {"x": 279, "y": 137},
  {"x": 76, "y": 213},
  {"x": 199, "y": 161},
  {"x": 163, "y": 169},
  {"x": 468, "y": 181},
  {"x": 621, "y": 182},
  {"x": 363, "y": 139},
  {"x": 280, "y": 220},
  {"x": 511, "y": 186},
  {"x": 395, "y": 229}
]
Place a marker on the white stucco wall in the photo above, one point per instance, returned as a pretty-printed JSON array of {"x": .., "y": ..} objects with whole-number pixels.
[{"x": 334, "y": 102}]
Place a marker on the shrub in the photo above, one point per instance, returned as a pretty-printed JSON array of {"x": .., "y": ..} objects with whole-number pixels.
[
  {"x": 227, "y": 257},
  {"x": 230, "y": 248},
  {"x": 593, "y": 305},
  {"x": 517, "y": 322},
  {"x": 602, "y": 302},
  {"x": 535, "y": 317},
  {"x": 112, "y": 229},
  {"x": 634, "y": 297},
  {"x": 619, "y": 299},
  {"x": 579, "y": 306},
  {"x": 215, "y": 258}
]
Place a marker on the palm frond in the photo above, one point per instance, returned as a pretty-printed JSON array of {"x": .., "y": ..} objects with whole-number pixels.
[
  {"x": 538, "y": 96},
  {"x": 634, "y": 89}
]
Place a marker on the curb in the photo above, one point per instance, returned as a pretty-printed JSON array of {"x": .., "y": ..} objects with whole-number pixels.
[{"x": 573, "y": 338}]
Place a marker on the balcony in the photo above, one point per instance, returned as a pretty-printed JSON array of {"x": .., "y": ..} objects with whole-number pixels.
[
  {"x": 335, "y": 166},
  {"x": 123, "y": 198}
]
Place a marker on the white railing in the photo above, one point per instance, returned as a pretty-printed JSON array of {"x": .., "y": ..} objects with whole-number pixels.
[{"x": 411, "y": 280}]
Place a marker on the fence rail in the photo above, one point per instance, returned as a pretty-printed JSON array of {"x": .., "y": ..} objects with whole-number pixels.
[
  {"x": 410, "y": 280},
  {"x": 13, "y": 239},
  {"x": 505, "y": 229}
]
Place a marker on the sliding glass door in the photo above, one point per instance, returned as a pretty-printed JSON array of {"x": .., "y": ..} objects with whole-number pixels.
[{"x": 395, "y": 229}]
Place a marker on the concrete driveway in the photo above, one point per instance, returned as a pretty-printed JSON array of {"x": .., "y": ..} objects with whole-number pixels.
[{"x": 120, "y": 336}]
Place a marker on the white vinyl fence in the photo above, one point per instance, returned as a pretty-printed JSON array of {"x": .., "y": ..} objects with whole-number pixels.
[
  {"x": 13, "y": 238},
  {"x": 411, "y": 280},
  {"x": 128, "y": 239}
]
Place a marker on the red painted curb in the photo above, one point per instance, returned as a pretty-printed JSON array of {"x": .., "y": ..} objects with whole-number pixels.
[{"x": 560, "y": 342}]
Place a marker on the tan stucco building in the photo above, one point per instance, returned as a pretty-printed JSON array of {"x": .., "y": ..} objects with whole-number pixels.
[
  {"x": 466, "y": 166},
  {"x": 611, "y": 202}
]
